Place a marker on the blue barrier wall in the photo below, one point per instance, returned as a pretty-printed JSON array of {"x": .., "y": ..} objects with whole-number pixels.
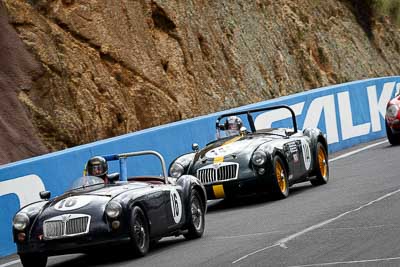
[{"x": 348, "y": 113}]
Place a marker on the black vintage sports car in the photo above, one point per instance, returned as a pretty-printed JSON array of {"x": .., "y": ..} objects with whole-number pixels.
[
  {"x": 262, "y": 160},
  {"x": 135, "y": 210}
]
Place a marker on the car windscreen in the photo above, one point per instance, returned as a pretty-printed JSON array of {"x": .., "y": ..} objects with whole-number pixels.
[{"x": 85, "y": 182}]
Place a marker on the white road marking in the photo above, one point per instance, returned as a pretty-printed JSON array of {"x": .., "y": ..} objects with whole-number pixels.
[
  {"x": 346, "y": 262},
  {"x": 283, "y": 241},
  {"x": 319, "y": 225},
  {"x": 360, "y": 227},
  {"x": 248, "y": 235},
  {"x": 10, "y": 263},
  {"x": 357, "y": 151},
  {"x": 254, "y": 252}
]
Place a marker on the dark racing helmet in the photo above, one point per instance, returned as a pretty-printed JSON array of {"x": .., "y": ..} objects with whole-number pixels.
[
  {"x": 232, "y": 125},
  {"x": 97, "y": 166}
]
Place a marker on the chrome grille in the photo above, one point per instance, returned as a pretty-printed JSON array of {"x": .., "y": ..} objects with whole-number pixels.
[
  {"x": 218, "y": 172},
  {"x": 66, "y": 225},
  {"x": 53, "y": 229},
  {"x": 76, "y": 226}
]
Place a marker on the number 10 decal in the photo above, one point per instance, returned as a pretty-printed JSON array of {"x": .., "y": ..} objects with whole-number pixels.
[
  {"x": 73, "y": 203},
  {"x": 176, "y": 205}
]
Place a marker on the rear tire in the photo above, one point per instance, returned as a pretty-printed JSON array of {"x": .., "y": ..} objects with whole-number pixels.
[
  {"x": 321, "y": 166},
  {"x": 139, "y": 232},
  {"x": 196, "y": 217},
  {"x": 280, "y": 182},
  {"x": 33, "y": 260},
  {"x": 394, "y": 139}
]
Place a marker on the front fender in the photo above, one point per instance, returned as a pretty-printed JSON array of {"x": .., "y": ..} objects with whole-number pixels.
[
  {"x": 185, "y": 160},
  {"x": 189, "y": 183},
  {"x": 33, "y": 210}
]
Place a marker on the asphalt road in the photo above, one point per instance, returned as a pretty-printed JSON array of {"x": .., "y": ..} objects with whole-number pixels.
[{"x": 351, "y": 221}]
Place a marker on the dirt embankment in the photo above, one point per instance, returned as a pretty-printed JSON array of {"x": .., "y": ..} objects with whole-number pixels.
[
  {"x": 81, "y": 71},
  {"x": 18, "y": 70}
]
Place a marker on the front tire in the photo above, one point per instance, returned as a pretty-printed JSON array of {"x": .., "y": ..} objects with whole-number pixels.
[
  {"x": 394, "y": 139},
  {"x": 280, "y": 183},
  {"x": 196, "y": 217},
  {"x": 33, "y": 260},
  {"x": 321, "y": 166},
  {"x": 139, "y": 232}
]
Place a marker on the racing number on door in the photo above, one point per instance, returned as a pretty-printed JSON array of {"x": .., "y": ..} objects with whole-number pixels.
[
  {"x": 175, "y": 208},
  {"x": 176, "y": 205},
  {"x": 306, "y": 154}
]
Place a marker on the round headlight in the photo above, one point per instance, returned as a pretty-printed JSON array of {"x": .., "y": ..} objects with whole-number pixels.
[
  {"x": 20, "y": 221},
  {"x": 259, "y": 158},
  {"x": 176, "y": 170},
  {"x": 392, "y": 111},
  {"x": 113, "y": 209}
]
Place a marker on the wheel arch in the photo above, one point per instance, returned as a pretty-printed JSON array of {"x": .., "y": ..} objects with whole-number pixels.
[
  {"x": 141, "y": 206},
  {"x": 202, "y": 194},
  {"x": 321, "y": 139},
  {"x": 316, "y": 136},
  {"x": 190, "y": 183},
  {"x": 284, "y": 160}
]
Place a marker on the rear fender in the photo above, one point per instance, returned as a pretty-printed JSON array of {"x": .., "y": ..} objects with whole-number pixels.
[{"x": 316, "y": 136}]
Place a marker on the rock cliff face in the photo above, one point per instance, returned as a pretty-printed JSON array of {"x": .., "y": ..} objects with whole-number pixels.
[{"x": 103, "y": 68}]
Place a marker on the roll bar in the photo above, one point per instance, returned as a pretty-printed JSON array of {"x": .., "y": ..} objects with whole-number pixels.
[
  {"x": 250, "y": 117},
  {"x": 123, "y": 157}
]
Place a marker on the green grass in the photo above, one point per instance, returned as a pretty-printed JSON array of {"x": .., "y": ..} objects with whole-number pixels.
[{"x": 389, "y": 8}]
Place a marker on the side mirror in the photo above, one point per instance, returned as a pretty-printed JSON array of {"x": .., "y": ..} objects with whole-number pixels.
[
  {"x": 45, "y": 195},
  {"x": 243, "y": 130},
  {"x": 195, "y": 147}
]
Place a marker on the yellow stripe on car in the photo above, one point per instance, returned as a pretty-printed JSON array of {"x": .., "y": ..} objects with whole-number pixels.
[
  {"x": 218, "y": 159},
  {"x": 221, "y": 158},
  {"x": 219, "y": 191}
]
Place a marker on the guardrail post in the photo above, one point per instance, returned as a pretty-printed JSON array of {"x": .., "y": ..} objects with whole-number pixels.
[{"x": 123, "y": 168}]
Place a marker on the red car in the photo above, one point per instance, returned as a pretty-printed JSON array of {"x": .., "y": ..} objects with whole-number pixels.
[{"x": 392, "y": 119}]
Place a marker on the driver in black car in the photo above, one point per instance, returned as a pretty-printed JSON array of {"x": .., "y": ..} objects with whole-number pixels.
[{"x": 97, "y": 166}]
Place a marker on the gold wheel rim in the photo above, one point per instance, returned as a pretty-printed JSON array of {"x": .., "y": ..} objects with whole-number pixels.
[
  {"x": 280, "y": 176},
  {"x": 322, "y": 162}
]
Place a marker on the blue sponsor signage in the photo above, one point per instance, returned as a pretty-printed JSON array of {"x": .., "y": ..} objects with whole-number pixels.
[{"x": 349, "y": 114}]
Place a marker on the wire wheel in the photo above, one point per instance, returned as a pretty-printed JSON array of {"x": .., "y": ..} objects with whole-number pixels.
[
  {"x": 196, "y": 217},
  {"x": 139, "y": 232},
  {"x": 197, "y": 213},
  {"x": 280, "y": 176},
  {"x": 321, "y": 166},
  {"x": 279, "y": 183}
]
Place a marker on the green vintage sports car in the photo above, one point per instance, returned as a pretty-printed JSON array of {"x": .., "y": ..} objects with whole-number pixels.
[{"x": 242, "y": 162}]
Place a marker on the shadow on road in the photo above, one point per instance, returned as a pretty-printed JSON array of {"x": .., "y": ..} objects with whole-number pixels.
[
  {"x": 113, "y": 255},
  {"x": 255, "y": 200}
]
